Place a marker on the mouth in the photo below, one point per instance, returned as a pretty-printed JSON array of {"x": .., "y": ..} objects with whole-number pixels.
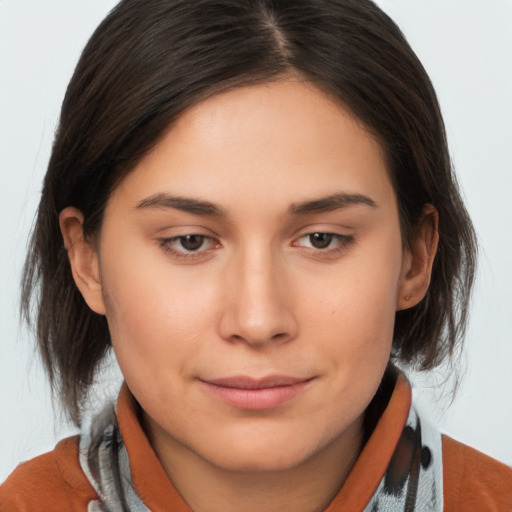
[{"x": 255, "y": 394}]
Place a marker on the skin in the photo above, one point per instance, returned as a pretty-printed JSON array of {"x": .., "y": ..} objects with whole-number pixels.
[{"x": 257, "y": 298}]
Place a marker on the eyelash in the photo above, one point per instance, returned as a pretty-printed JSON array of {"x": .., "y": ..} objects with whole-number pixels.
[
  {"x": 167, "y": 245},
  {"x": 343, "y": 242}
]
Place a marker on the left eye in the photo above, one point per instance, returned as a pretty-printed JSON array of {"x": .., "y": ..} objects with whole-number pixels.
[
  {"x": 320, "y": 241},
  {"x": 191, "y": 242}
]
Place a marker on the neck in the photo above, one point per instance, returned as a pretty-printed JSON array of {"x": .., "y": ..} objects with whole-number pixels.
[{"x": 307, "y": 487}]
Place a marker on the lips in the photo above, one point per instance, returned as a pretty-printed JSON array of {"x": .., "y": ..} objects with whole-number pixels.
[{"x": 248, "y": 393}]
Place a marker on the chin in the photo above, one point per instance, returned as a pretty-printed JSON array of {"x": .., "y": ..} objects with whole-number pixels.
[
  {"x": 246, "y": 453},
  {"x": 263, "y": 461}
]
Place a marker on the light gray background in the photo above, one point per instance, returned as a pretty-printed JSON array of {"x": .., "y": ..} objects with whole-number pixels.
[{"x": 466, "y": 47}]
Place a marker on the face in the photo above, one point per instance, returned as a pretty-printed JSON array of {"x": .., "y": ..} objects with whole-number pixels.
[{"x": 250, "y": 267}]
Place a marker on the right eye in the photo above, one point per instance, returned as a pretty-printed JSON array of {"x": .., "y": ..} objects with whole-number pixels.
[{"x": 186, "y": 246}]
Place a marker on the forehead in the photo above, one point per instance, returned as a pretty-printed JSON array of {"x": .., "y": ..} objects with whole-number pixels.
[{"x": 285, "y": 139}]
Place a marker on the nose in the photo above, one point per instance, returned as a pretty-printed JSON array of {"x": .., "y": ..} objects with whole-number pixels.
[{"x": 258, "y": 303}]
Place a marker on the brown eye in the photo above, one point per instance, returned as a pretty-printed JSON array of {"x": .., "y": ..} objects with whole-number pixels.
[
  {"x": 191, "y": 242},
  {"x": 320, "y": 240},
  {"x": 324, "y": 243},
  {"x": 191, "y": 247}
]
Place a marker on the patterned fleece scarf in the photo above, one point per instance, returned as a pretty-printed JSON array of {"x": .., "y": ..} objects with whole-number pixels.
[{"x": 411, "y": 483}]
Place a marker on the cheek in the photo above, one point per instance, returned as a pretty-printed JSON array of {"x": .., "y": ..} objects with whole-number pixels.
[
  {"x": 361, "y": 294},
  {"x": 156, "y": 317},
  {"x": 356, "y": 312}
]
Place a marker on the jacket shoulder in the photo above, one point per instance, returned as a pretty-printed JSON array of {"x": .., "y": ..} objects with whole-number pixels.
[
  {"x": 473, "y": 480},
  {"x": 53, "y": 481}
]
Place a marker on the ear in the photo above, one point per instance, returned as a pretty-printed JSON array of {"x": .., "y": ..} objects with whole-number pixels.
[
  {"x": 418, "y": 260},
  {"x": 83, "y": 258}
]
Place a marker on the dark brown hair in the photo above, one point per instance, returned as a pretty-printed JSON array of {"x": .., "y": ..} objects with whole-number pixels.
[{"x": 149, "y": 60}]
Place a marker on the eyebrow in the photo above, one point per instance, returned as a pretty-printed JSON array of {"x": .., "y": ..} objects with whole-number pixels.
[
  {"x": 185, "y": 204},
  {"x": 200, "y": 207},
  {"x": 331, "y": 203}
]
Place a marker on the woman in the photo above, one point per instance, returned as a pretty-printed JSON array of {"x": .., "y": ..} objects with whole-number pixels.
[{"x": 252, "y": 203}]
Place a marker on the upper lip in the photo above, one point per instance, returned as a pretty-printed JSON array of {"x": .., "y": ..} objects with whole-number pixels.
[{"x": 245, "y": 382}]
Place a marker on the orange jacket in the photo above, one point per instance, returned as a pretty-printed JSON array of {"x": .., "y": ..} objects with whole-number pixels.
[{"x": 472, "y": 481}]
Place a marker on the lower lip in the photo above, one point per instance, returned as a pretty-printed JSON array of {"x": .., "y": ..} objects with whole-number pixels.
[{"x": 256, "y": 399}]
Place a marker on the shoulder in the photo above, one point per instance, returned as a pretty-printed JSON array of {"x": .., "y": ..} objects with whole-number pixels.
[
  {"x": 473, "y": 480},
  {"x": 53, "y": 481}
]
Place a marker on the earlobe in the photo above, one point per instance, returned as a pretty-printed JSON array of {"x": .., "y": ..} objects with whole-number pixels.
[
  {"x": 418, "y": 261},
  {"x": 83, "y": 258}
]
